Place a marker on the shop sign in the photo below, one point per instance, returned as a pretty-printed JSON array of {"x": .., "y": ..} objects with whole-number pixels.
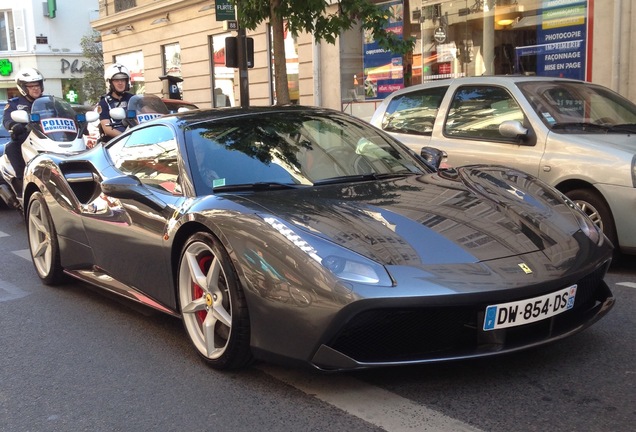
[
  {"x": 6, "y": 67},
  {"x": 440, "y": 35},
  {"x": 73, "y": 66},
  {"x": 224, "y": 10}
]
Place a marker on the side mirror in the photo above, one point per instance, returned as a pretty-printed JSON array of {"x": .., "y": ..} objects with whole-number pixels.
[
  {"x": 91, "y": 116},
  {"x": 512, "y": 129},
  {"x": 433, "y": 156},
  {"x": 20, "y": 116},
  {"x": 118, "y": 113},
  {"x": 130, "y": 187}
]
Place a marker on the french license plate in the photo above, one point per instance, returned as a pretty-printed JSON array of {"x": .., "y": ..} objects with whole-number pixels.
[{"x": 530, "y": 310}]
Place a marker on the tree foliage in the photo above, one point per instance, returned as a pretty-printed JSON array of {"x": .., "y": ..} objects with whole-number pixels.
[
  {"x": 312, "y": 16},
  {"x": 93, "y": 67}
]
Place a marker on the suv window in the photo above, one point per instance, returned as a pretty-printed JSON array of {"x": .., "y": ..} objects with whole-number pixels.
[
  {"x": 477, "y": 111},
  {"x": 414, "y": 113},
  {"x": 150, "y": 154}
]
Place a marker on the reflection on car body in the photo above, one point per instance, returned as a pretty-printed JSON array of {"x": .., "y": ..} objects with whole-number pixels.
[
  {"x": 576, "y": 136},
  {"x": 304, "y": 235}
]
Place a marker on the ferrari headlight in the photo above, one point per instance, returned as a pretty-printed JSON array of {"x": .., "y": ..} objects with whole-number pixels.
[
  {"x": 343, "y": 263},
  {"x": 588, "y": 227},
  {"x": 351, "y": 270},
  {"x": 585, "y": 223}
]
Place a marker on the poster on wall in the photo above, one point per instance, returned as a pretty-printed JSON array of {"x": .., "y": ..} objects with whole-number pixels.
[
  {"x": 383, "y": 71},
  {"x": 561, "y": 37}
]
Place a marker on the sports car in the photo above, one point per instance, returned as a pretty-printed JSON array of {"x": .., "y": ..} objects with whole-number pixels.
[{"x": 305, "y": 236}]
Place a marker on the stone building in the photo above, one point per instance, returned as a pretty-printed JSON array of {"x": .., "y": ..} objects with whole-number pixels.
[
  {"x": 45, "y": 35},
  {"x": 185, "y": 39}
]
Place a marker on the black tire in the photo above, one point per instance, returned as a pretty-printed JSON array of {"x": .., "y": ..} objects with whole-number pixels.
[
  {"x": 43, "y": 244},
  {"x": 593, "y": 205},
  {"x": 212, "y": 303}
]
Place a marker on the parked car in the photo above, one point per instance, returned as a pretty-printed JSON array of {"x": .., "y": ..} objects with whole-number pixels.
[
  {"x": 306, "y": 235},
  {"x": 575, "y": 136}
]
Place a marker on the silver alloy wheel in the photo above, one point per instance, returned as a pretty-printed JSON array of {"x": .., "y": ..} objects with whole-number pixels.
[
  {"x": 40, "y": 242},
  {"x": 205, "y": 300},
  {"x": 591, "y": 212}
]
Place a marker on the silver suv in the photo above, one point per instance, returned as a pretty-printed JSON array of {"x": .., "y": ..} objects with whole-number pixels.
[{"x": 576, "y": 136}]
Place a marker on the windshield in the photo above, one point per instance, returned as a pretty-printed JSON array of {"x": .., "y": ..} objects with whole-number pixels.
[
  {"x": 55, "y": 118},
  {"x": 293, "y": 149},
  {"x": 578, "y": 107},
  {"x": 143, "y": 108}
]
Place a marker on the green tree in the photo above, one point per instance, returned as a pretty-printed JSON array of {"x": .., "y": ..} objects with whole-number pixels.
[
  {"x": 93, "y": 83},
  {"x": 311, "y": 16}
]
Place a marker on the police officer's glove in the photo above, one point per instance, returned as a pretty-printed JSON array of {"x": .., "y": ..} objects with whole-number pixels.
[{"x": 18, "y": 131}]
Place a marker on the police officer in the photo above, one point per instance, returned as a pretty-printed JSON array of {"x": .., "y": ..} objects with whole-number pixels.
[
  {"x": 30, "y": 83},
  {"x": 117, "y": 80}
]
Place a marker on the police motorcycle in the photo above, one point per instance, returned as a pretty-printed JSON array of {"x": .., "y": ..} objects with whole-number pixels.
[
  {"x": 53, "y": 127},
  {"x": 140, "y": 109}
]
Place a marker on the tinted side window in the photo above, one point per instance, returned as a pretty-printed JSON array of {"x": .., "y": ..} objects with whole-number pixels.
[
  {"x": 477, "y": 111},
  {"x": 414, "y": 112},
  {"x": 150, "y": 154}
]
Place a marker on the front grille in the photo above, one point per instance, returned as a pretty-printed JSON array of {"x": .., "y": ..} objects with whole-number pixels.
[{"x": 413, "y": 334}]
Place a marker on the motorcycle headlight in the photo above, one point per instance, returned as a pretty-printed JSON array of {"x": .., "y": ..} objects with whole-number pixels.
[{"x": 343, "y": 263}]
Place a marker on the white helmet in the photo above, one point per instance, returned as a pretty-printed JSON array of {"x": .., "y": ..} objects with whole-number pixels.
[
  {"x": 28, "y": 75},
  {"x": 116, "y": 71}
]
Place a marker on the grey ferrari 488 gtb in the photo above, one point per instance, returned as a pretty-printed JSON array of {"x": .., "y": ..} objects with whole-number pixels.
[{"x": 307, "y": 236}]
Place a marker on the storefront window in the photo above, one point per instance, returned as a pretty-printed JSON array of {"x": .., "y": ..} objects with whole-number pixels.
[
  {"x": 487, "y": 37},
  {"x": 455, "y": 38},
  {"x": 134, "y": 61},
  {"x": 291, "y": 59},
  {"x": 172, "y": 77},
  {"x": 72, "y": 90},
  {"x": 223, "y": 94}
]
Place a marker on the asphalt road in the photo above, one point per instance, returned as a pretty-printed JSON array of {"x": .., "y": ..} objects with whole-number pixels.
[{"x": 75, "y": 359}]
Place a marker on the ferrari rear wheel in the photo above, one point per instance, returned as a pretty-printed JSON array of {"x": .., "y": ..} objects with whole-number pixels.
[
  {"x": 43, "y": 243},
  {"x": 213, "y": 304}
]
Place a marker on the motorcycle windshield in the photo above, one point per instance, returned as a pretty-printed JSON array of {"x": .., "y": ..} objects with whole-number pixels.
[
  {"x": 56, "y": 118},
  {"x": 146, "y": 108}
]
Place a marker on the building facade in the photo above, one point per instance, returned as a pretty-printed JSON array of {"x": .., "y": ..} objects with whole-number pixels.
[
  {"x": 45, "y": 35},
  {"x": 179, "y": 45}
]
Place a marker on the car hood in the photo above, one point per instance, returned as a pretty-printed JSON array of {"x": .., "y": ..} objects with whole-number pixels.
[{"x": 464, "y": 215}]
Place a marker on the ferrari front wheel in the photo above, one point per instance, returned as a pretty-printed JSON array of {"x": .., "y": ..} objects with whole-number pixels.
[
  {"x": 213, "y": 304},
  {"x": 43, "y": 244}
]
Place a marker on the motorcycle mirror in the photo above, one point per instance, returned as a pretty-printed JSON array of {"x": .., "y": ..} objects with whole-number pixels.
[
  {"x": 20, "y": 116},
  {"x": 116, "y": 113},
  {"x": 92, "y": 116}
]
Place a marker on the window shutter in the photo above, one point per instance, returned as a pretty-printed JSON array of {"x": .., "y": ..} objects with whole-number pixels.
[{"x": 20, "y": 30}]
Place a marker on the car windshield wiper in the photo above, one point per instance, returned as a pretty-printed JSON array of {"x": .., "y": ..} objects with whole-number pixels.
[
  {"x": 624, "y": 127},
  {"x": 258, "y": 186},
  {"x": 585, "y": 126},
  {"x": 362, "y": 177}
]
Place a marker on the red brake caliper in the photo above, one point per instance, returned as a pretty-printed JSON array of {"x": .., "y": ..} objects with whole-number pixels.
[{"x": 197, "y": 291}]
